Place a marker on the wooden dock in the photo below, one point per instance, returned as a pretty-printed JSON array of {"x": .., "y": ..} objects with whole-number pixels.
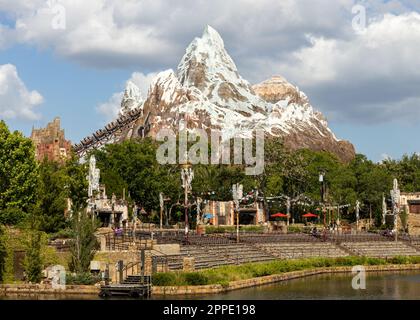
[{"x": 132, "y": 286}]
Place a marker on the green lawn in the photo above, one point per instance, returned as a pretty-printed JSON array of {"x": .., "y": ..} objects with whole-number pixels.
[{"x": 224, "y": 275}]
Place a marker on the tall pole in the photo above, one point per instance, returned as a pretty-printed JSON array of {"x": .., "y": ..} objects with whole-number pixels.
[
  {"x": 357, "y": 215},
  {"x": 384, "y": 210},
  {"x": 321, "y": 180},
  {"x": 237, "y": 193},
  {"x": 186, "y": 212},
  {"x": 288, "y": 205},
  {"x": 161, "y": 210},
  {"x": 187, "y": 175},
  {"x": 395, "y": 195}
]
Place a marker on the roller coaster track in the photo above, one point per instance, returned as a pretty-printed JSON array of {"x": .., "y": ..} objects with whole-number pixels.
[{"x": 111, "y": 132}]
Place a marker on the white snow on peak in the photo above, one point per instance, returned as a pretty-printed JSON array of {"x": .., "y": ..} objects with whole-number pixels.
[
  {"x": 207, "y": 82},
  {"x": 169, "y": 83},
  {"x": 132, "y": 91},
  {"x": 132, "y": 98},
  {"x": 208, "y": 67}
]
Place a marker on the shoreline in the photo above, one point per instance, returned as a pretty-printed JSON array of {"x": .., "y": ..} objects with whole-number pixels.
[
  {"x": 46, "y": 289},
  {"x": 43, "y": 289},
  {"x": 265, "y": 280}
]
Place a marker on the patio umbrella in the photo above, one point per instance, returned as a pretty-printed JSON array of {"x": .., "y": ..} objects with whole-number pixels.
[
  {"x": 279, "y": 215},
  {"x": 310, "y": 215}
]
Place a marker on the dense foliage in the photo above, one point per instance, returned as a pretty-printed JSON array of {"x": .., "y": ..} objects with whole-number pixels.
[
  {"x": 18, "y": 176},
  {"x": 33, "y": 263},
  {"x": 132, "y": 166},
  {"x": 3, "y": 253},
  {"x": 84, "y": 244},
  {"x": 131, "y": 169}
]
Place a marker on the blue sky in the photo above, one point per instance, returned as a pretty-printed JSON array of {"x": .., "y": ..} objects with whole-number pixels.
[{"x": 367, "y": 83}]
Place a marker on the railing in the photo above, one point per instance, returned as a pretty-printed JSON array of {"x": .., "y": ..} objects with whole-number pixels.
[
  {"x": 132, "y": 268},
  {"x": 123, "y": 241},
  {"x": 62, "y": 245}
]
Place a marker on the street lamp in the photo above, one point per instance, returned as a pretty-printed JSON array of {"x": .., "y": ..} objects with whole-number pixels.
[
  {"x": 237, "y": 193},
  {"x": 187, "y": 175}
]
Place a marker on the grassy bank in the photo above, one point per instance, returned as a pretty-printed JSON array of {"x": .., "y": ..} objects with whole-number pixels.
[{"x": 224, "y": 275}]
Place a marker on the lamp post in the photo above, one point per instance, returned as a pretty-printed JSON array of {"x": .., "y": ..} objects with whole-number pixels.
[
  {"x": 187, "y": 175},
  {"x": 237, "y": 193}
]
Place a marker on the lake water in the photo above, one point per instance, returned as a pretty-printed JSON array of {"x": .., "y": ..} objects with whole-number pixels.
[{"x": 385, "y": 285}]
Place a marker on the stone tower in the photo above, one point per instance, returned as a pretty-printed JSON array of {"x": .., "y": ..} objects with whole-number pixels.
[{"x": 50, "y": 142}]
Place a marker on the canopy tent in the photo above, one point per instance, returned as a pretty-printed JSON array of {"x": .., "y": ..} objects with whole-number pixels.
[
  {"x": 310, "y": 215},
  {"x": 279, "y": 215}
]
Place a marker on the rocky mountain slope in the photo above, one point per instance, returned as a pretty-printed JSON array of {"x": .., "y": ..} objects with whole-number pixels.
[{"x": 207, "y": 92}]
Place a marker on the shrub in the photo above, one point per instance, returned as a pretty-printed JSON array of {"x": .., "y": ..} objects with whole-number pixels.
[
  {"x": 224, "y": 283},
  {"x": 164, "y": 279},
  {"x": 294, "y": 229},
  {"x": 399, "y": 260},
  {"x": 223, "y": 275},
  {"x": 196, "y": 279},
  {"x": 82, "y": 279}
]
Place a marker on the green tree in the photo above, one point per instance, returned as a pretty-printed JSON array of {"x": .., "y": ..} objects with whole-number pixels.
[
  {"x": 52, "y": 196},
  {"x": 33, "y": 261},
  {"x": 76, "y": 183},
  {"x": 3, "y": 253},
  {"x": 84, "y": 243},
  {"x": 18, "y": 175},
  {"x": 132, "y": 165}
]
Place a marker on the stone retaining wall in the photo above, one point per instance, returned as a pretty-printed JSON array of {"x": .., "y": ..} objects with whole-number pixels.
[
  {"x": 241, "y": 284},
  {"x": 6, "y": 289}
]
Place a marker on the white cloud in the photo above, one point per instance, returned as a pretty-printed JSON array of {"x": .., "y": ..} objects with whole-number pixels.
[
  {"x": 369, "y": 77},
  {"x": 16, "y": 101},
  {"x": 354, "y": 77},
  {"x": 143, "y": 81},
  {"x": 110, "y": 108},
  {"x": 388, "y": 48},
  {"x": 153, "y": 33}
]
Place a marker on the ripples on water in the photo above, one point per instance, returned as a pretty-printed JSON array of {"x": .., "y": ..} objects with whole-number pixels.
[{"x": 393, "y": 286}]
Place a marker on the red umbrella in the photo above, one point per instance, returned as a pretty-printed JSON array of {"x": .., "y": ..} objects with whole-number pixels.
[
  {"x": 279, "y": 215},
  {"x": 310, "y": 215}
]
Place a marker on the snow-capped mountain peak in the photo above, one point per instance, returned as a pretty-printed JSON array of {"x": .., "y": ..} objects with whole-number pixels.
[
  {"x": 208, "y": 92},
  {"x": 208, "y": 67},
  {"x": 132, "y": 98}
]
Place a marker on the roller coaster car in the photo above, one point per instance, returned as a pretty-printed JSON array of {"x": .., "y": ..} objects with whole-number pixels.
[
  {"x": 77, "y": 147},
  {"x": 121, "y": 119},
  {"x": 99, "y": 134},
  {"x": 87, "y": 141},
  {"x": 111, "y": 126},
  {"x": 135, "y": 113}
]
